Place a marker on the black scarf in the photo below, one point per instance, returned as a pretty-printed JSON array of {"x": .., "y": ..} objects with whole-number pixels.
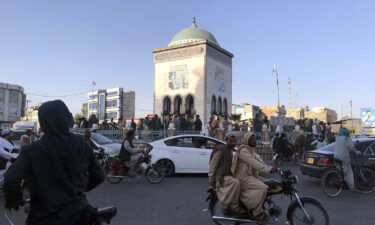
[{"x": 55, "y": 120}]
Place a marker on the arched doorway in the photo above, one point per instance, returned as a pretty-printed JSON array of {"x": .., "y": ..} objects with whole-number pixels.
[
  {"x": 213, "y": 105},
  {"x": 167, "y": 105},
  {"x": 225, "y": 106},
  {"x": 177, "y": 104},
  {"x": 189, "y": 105},
  {"x": 219, "y": 106}
]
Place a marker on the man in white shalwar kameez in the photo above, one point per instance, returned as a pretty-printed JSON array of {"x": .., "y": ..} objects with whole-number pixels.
[{"x": 6, "y": 154}]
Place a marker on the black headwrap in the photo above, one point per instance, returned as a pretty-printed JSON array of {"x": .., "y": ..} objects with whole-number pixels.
[{"x": 55, "y": 120}]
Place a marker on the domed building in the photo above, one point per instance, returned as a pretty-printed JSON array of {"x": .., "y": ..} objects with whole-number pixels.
[{"x": 193, "y": 76}]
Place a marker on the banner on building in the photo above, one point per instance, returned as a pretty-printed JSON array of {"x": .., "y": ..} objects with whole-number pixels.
[{"x": 368, "y": 117}]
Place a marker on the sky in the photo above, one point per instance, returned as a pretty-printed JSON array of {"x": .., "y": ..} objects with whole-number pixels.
[{"x": 56, "y": 48}]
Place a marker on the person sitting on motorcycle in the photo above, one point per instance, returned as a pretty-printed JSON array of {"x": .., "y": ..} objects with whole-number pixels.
[
  {"x": 7, "y": 157},
  {"x": 221, "y": 178},
  {"x": 246, "y": 166},
  {"x": 128, "y": 153},
  {"x": 287, "y": 148}
]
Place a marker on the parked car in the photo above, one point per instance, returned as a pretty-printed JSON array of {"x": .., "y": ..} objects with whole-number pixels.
[
  {"x": 110, "y": 147},
  {"x": 315, "y": 163},
  {"x": 183, "y": 153}
]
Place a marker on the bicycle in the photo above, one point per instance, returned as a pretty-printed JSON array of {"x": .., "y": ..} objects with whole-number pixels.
[
  {"x": 333, "y": 181},
  {"x": 104, "y": 215}
]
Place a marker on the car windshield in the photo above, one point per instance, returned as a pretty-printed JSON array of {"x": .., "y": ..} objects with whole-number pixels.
[
  {"x": 100, "y": 139},
  {"x": 328, "y": 148}
]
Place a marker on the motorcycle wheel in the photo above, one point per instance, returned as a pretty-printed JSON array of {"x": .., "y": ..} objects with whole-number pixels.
[
  {"x": 113, "y": 180},
  {"x": 332, "y": 183},
  {"x": 365, "y": 181},
  {"x": 155, "y": 174},
  {"x": 276, "y": 160},
  {"x": 316, "y": 213}
]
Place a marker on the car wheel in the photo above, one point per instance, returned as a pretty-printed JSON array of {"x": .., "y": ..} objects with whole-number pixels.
[{"x": 168, "y": 166}]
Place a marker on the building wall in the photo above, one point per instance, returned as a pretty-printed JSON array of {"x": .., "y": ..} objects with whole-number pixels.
[
  {"x": 111, "y": 103},
  {"x": 194, "y": 69},
  {"x": 129, "y": 105},
  {"x": 273, "y": 111},
  {"x": 247, "y": 111},
  {"x": 12, "y": 102},
  {"x": 218, "y": 81},
  {"x": 191, "y": 67},
  {"x": 322, "y": 114}
]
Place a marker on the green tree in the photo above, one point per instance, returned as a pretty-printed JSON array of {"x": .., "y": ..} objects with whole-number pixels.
[
  {"x": 76, "y": 117},
  {"x": 235, "y": 117},
  {"x": 84, "y": 110}
]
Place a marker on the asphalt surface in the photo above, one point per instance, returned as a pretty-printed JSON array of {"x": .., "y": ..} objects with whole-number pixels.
[{"x": 180, "y": 200}]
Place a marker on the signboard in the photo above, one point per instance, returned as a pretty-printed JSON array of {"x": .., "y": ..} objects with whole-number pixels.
[{"x": 368, "y": 117}]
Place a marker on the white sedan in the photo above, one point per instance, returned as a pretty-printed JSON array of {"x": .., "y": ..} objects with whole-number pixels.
[{"x": 183, "y": 153}]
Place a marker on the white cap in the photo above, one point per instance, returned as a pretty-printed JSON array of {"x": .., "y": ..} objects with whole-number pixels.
[{"x": 5, "y": 132}]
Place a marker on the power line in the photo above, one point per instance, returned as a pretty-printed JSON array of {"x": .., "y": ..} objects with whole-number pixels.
[{"x": 57, "y": 96}]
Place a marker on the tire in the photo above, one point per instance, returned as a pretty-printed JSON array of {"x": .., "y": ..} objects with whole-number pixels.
[
  {"x": 276, "y": 160},
  {"x": 168, "y": 165},
  {"x": 155, "y": 174},
  {"x": 296, "y": 159},
  {"x": 113, "y": 180},
  {"x": 296, "y": 216},
  {"x": 366, "y": 185},
  {"x": 332, "y": 183}
]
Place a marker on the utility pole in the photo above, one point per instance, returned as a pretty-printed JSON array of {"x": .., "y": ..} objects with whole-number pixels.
[
  {"x": 342, "y": 111},
  {"x": 290, "y": 92},
  {"x": 277, "y": 83},
  {"x": 351, "y": 114}
]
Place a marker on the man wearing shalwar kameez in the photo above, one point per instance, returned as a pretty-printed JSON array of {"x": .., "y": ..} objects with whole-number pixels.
[{"x": 246, "y": 166}]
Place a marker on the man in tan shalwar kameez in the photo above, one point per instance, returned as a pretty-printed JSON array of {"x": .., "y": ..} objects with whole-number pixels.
[
  {"x": 246, "y": 166},
  {"x": 221, "y": 178}
]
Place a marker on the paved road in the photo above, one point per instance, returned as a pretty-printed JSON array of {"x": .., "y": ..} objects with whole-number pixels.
[{"x": 180, "y": 200}]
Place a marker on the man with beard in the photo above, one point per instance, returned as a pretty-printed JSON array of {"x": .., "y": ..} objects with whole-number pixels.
[
  {"x": 61, "y": 167},
  {"x": 221, "y": 178},
  {"x": 246, "y": 167},
  {"x": 7, "y": 157}
]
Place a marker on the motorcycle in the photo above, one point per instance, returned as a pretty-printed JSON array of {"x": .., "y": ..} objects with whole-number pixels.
[
  {"x": 116, "y": 171},
  {"x": 299, "y": 211}
]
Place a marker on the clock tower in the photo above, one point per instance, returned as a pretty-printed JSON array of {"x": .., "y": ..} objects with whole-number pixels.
[{"x": 193, "y": 76}]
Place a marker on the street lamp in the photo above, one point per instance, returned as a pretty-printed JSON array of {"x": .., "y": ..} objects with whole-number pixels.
[{"x": 277, "y": 83}]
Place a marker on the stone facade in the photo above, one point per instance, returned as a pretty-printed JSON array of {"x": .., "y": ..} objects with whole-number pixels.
[
  {"x": 273, "y": 111},
  {"x": 12, "y": 104},
  {"x": 192, "y": 78},
  {"x": 320, "y": 113}
]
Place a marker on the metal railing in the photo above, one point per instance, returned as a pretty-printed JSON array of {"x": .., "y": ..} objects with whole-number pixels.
[{"x": 146, "y": 136}]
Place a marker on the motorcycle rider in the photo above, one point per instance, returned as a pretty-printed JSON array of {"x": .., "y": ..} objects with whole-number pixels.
[
  {"x": 128, "y": 153},
  {"x": 343, "y": 146},
  {"x": 7, "y": 157},
  {"x": 61, "y": 167},
  {"x": 246, "y": 166},
  {"x": 221, "y": 178}
]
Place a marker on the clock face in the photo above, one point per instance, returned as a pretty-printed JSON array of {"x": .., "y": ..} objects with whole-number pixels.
[{"x": 219, "y": 79}]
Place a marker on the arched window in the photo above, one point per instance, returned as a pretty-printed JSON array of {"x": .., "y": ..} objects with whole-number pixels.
[
  {"x": 225, "y": 104},
  {"x": 219, "y": 106},
  {"x": 177, "y": 104},
  {"x": 189, "y": 104},
  {"x": 213, "y": 104},
  {"x": 167, "y": 106}
]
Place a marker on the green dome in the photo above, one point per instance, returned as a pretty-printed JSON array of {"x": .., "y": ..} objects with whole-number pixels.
[{"x": 192, "y": 34}]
